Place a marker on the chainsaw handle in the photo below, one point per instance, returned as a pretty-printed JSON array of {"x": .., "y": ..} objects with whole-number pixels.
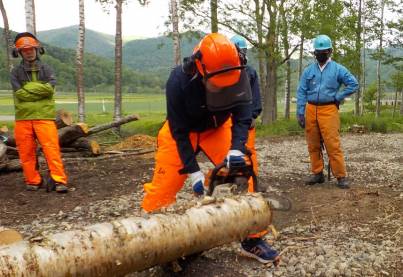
[{"x": 211, "y": 185}]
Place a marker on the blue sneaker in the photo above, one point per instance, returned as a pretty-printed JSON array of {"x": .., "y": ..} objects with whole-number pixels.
[{"x": 260, "y": 250}]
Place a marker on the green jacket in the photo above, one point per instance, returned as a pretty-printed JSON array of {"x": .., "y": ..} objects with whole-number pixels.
[{"x": 33, "y": 92}]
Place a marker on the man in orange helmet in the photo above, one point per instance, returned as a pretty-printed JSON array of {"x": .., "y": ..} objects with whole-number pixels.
[
  {"x": 33, "y": 84},
  {"x": 208, "y": 109}
]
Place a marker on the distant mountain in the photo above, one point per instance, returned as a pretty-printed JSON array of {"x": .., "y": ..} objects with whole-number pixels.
[
  {"x": 98, "y": 71},
  {"x": 96, "y": 43}
]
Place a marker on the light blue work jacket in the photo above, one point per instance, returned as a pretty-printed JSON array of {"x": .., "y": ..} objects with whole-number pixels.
[{"x": 317, "y": 86}]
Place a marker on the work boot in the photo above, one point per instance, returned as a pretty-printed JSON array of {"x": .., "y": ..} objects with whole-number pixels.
[
  {"x": 342, "y": 183},
  {"x": 55, "y": 186},
  {"x": 260, "y": 250},
  {"x": 61, "y": 188},
  {"x": 31, "y": 187},
  {"x": 315, "y": 179}
]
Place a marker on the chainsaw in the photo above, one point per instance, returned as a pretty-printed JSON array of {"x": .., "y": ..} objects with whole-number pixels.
[{"x": 237, "y": 176}]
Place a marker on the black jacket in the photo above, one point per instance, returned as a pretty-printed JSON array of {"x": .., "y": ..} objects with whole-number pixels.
[{"x": 187, "y": 112}]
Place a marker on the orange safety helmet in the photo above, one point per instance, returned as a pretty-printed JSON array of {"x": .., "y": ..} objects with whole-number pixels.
[
  {"x": 217, "y": 60},
  {"x": 26, "y": 42}
]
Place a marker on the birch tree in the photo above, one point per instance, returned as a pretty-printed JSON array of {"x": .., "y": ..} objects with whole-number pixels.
[
  {"x": 118, "y": 4},
  {"x": 80, "y": 62},
  {"x": 30, "y": 16},
  {"x": 6, "y": 35},
  {"x": 175, "y": 31},
  {"x": 379, "y": 58},
  {"x": 214, "y": 15}
]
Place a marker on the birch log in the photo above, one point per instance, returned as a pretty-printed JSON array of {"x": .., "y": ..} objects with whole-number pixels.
[{"x": 134, "y": 244}]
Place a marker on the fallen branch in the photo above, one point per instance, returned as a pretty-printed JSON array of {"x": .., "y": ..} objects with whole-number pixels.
[{"x": 113, "y": 124}]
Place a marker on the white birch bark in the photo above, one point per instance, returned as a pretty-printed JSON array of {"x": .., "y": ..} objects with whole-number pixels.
[
  {"x": 133, "y": 244},
  {"x": 30, "y": 16},
  {"x": 80, "y": 62}
]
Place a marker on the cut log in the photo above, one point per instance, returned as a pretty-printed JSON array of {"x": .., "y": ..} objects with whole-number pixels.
[
  {"x": 134, "y": 244},
  {"x": 103, "y": 127},
  {"x": 9, "y": 236},
  {"x": 11, "y": 165},
  {"x": 3, "y": 155},
  {"x": 89, "y": 145},
  {"x": 63, "y": 118},
  {"x": 70, "y": 133}
]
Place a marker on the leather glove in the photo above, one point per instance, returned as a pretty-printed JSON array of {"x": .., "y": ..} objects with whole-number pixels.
[
  {"x": 197, "y": 180},
  {"x": 301, "y": 120},
  {"x": 235, "y": 158}
]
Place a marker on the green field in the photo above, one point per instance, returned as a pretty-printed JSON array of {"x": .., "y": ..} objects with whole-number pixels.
[{"x": 152, "y": 111}]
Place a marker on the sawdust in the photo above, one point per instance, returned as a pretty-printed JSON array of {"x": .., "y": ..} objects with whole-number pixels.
[{"x": 135, "y": 141}]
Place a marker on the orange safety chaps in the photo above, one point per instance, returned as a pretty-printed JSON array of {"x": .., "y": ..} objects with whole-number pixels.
[
  {"x": 26, "y": 132},
  {"x": 324, "y": 121},
  {"x": 167, "y": 181}
]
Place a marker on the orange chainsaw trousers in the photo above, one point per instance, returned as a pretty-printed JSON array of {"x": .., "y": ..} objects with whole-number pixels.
[
  {"x": 167, "y": 181},
  {"x": 324, "y": 122},
  {"x": 26, "y": 133}
]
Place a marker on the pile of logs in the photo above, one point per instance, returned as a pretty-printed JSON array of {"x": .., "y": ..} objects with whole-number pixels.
[{"x": 73, "y": 138}]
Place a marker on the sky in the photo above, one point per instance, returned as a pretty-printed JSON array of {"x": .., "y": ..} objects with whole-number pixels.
[{"x": 52, "y": 14}]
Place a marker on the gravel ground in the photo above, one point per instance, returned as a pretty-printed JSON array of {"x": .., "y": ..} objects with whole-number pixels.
[{"x": 327, "y": 232}]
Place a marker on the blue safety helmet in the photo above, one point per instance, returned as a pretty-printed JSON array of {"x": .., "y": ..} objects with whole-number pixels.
[
  {"x": 239, "y": 41},
  {"x": 322, "y": 42}
]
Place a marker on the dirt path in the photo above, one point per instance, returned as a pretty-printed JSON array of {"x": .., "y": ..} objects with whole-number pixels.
[{"x": 327, "y": 232}]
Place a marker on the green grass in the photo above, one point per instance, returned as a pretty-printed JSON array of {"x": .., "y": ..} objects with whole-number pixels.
[{"x": 152, "y": 111}]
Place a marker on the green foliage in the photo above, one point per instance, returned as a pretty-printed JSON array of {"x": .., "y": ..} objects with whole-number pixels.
[{"x": 370, "y": 97}]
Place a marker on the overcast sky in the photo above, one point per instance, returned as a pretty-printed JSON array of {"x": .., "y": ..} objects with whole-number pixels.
[{"x": 51, "y": 14}]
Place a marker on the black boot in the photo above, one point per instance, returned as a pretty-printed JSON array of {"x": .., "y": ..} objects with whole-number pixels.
[
  {"x": 315, "y": 179},
  {"x": 342, "y": 183}
]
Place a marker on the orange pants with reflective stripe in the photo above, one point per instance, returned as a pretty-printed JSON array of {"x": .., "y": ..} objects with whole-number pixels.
[
  {"x": 26, "y": 133},
  {"x": 324, "y": 121},
  {"x": 167, "y": 181}
]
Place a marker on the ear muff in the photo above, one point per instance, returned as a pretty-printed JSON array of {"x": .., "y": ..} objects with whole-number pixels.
[
  {"x": 14, "y": 52},
  {"x": 189, "y": 63}
]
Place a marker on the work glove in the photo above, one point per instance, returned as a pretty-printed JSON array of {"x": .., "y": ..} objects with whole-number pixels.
[
  {"x": 235, "y": 158},
  {"x": 197, "y": 180},
  {"x": 301, "y": 120}
]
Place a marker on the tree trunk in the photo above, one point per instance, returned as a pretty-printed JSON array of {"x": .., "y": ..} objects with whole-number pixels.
[
  {"x": 87, "y": 144},
  {"x": 3, "y": 155},
  {"x": 394, "y": 104},
  {"x": 301, "y": 56},
  {"x": 70, "y": 133},
  {"x": 30, "y": 16},
  {"x": 118, "y": 62},
  {"x": 286, "y": 45},
  {"x": 358, "y": 49},
  {"x": 378, "y": 67},
  {"x": 103, "y": 127},
  {"x": 7, "y": 37},
  {"x": 214, "y": 16},
  {"x": 63, "y": 118},
  {"x": 175, "y": 32},
  {"x": 401, "y": 103},
  {"x": 79, "y": 63},
  {"x": 133, "y": 244},
  {"x": 259, "y": 15},
  {"x": 270, "y": 101}
]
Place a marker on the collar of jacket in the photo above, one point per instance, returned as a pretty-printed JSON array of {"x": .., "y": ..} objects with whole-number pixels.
[{"x": 31, "y": 67}]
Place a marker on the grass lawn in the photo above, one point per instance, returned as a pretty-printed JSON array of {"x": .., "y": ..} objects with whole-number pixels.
[{"x": 152, "y": 111}]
